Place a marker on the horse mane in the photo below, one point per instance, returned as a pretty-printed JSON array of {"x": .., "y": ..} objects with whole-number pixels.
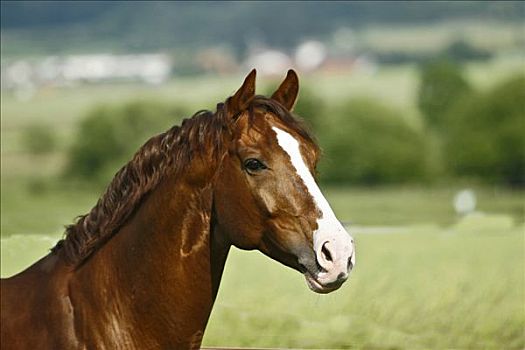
[{"x": 168, "y": 152}]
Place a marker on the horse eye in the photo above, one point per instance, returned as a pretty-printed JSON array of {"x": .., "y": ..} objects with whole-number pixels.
[{"x": 253, "y": 164}]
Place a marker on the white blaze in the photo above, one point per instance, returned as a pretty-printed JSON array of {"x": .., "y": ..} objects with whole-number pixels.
[{"x": 329, "y": 228}]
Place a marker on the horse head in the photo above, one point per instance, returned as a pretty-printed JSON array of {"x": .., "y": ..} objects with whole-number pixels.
[{"x": 266, "y": 196}]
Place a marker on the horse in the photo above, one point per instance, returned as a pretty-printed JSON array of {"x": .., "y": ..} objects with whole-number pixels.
[{"x": 142, "y": 269}]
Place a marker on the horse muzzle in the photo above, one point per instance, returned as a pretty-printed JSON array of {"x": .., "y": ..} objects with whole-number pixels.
[{"x": 334, "y": 260}]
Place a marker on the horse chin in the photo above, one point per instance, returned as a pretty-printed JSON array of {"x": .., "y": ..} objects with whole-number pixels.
[{"x": 317, "y": 287}]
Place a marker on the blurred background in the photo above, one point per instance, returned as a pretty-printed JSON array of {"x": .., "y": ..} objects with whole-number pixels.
[{"x": 418, "y": 106}]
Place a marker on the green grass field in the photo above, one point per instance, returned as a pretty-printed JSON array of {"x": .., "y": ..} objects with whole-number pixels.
[
  {"x": 423, "y": 279},
  {"x": 413, "y": 287}
]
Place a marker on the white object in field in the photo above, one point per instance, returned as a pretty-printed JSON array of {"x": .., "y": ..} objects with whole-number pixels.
[
  {"x": 310, "y": 55},
  {"x": 465, "y": 202}
]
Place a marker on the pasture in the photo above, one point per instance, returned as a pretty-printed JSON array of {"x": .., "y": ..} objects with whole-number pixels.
[
  {"x": 414, "y": 286},
  {"x": 423, "y": 278}
]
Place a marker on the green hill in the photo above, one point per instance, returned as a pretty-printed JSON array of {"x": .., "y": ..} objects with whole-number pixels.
[{"x": 29, "y": 27}]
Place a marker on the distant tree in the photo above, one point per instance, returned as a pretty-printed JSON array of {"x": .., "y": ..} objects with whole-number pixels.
[
  {"x": 461, "y": 51},
  {"x": 485, "y": 137},
  {"x": 371, "y": 144},
  {"x": 311, "y": 108},
  {"x": 95, "y": 146},
  {"x": 441, "y": 86},
  {"x": 108, "y": 137},
  {"x": 39, "y": 139}
]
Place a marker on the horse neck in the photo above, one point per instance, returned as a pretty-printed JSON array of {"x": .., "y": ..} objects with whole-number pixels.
[{"x": 162, "y": 270}]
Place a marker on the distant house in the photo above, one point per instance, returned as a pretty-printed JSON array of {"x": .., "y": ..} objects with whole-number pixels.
[
  {"x": 348, "y": 63},
  {"x": 338, "y": 64},
  {"x": 269, "y": 62},
  {"x": 67, "y": 70},
  {"x": 216, "y": 60}
]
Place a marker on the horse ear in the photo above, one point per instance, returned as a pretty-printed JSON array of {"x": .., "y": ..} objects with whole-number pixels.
[
  {"x": 242, "y": 98},
  {"x": 286, "y": 94}
]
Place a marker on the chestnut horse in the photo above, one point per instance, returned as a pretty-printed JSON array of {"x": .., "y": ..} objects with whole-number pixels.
[{"x": 141, "y": 270}]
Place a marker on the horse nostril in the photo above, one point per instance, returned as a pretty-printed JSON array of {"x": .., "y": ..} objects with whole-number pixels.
[
  {"x": 350, "y": 264},
  {"x": 326, "y": 253}
]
